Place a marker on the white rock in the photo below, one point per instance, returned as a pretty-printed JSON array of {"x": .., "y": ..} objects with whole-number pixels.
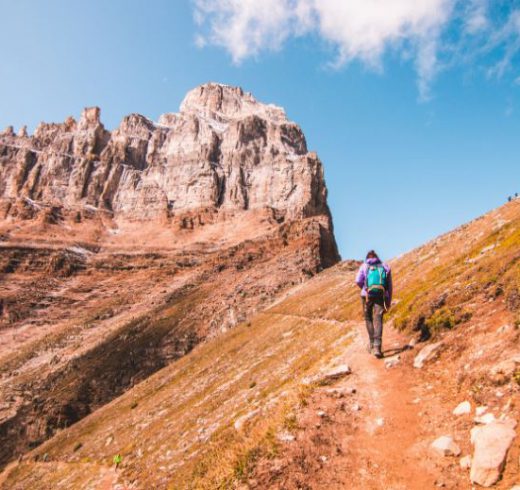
[
  {"x": 321, "y": 414},
  {"x": 462, "y": 408},
  {"x": 445, "y": 446},
  {"x": 356, "y": 407},
  {"x": 487, "y": 418},
  {"x": 491, "y": 441},
  {"x": 336, "y": 373},
  {"x": 480, "y": 411},
  {"x": 380, "y": 422},
  {"x": 465, "y": 462},
  {"x": 286, "y": 437},
  {"x": 427, "y": 353},
  {"x": 392, "y": 361}
]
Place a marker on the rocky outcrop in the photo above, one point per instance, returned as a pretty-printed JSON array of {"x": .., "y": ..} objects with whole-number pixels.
[{"x": 222, "y": 154}]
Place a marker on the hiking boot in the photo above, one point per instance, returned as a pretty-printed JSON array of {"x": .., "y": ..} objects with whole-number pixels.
[
  {"x": 370, "y": 347},
  {"x": 377, "y": 352}
]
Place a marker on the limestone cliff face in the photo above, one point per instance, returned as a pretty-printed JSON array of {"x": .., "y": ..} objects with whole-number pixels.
[{"x": 222, "y": 154}]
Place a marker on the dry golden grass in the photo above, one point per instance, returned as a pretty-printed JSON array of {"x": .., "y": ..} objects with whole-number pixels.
[{"x": 176, "y": 429}]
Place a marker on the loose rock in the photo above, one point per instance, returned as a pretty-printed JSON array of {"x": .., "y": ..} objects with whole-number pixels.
[
  {"x": 426, "y": 354},
  {"x": 492, "y": 442},
  {"x": 487, "y": 418},
  {"x": 465, "y": 462},
  {"x": 334, "y": 373},
  {"x": 286, "y": 437},
  {"x": 462, "y": 408},
  {"x": 392, "y": 361},
  {"x": 445, "y": 446}
]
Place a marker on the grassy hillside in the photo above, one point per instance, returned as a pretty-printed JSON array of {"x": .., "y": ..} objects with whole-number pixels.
[
  {"x": 444, "y": 283},
  {"x": 204, "y": 421},
  {"x": 178, "y": 427}
]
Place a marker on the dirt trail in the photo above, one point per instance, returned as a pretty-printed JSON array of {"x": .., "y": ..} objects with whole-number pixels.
[
  {"x": 373, "y": 438},
  {"x": 389, "y": 448}
]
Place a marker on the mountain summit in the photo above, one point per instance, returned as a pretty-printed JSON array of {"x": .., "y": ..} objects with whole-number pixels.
[{"x": 223, "y": 153}]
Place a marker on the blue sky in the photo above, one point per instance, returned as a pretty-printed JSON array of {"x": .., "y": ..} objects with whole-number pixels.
[{"x": 416, "y": 117}]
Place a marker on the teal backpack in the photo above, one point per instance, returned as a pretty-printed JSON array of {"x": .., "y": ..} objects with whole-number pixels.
[{"x": 376, "y": 281}]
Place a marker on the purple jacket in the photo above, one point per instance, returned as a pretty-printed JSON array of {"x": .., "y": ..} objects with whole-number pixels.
[{"x": 362, "y": 274}]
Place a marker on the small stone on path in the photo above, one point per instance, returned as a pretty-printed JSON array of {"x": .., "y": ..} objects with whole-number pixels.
[
  {"x": 329, "y": 375},
  {"x": 465, "y": 462},
  {"x": 445, "y": 446},
  {"x": 462, "y": 408},
  {"x": 392, "y": 361}
]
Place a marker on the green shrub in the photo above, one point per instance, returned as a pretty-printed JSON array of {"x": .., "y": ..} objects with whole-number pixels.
[{"x": 441, "y": 318}]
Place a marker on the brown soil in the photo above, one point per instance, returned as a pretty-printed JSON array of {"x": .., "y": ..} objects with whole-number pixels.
[
  {"x": 371, "y": 438},
  {"x": 373, "y": 429}
]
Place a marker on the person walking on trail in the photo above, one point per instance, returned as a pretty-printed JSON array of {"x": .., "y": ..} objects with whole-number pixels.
[{"x": 375, "y": 280}]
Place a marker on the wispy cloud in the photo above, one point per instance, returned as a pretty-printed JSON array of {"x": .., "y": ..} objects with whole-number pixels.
[
  {"x": 364, "y": 30},
  {"x": 476, "y": 18}
]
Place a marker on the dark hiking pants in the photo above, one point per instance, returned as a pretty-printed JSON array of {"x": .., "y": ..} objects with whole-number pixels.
[{"x": 374, "y": 309}]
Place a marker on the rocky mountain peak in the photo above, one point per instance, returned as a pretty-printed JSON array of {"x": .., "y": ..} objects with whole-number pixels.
[
  {"x": 90, "y": 118},
  {"x": 227, "y": 102},
  {"x": 224, "y": 151}
]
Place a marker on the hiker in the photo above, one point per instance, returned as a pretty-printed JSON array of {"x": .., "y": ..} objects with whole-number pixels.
[{"x": 375, "y": 280}]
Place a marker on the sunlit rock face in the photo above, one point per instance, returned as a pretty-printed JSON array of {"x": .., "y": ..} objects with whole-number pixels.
[{"x": 223, "y": 151}]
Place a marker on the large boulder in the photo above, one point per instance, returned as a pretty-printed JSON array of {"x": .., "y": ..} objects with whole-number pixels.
[{"x": 492, "y": 442}]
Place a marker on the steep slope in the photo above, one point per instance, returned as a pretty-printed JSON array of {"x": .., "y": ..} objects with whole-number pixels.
[
  {"x": 122, "y": 250},
  {"x": 250, "y": 409}
]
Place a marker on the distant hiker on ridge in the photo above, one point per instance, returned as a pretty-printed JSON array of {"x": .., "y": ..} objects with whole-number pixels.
[{"x": 375, "y": 280}]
